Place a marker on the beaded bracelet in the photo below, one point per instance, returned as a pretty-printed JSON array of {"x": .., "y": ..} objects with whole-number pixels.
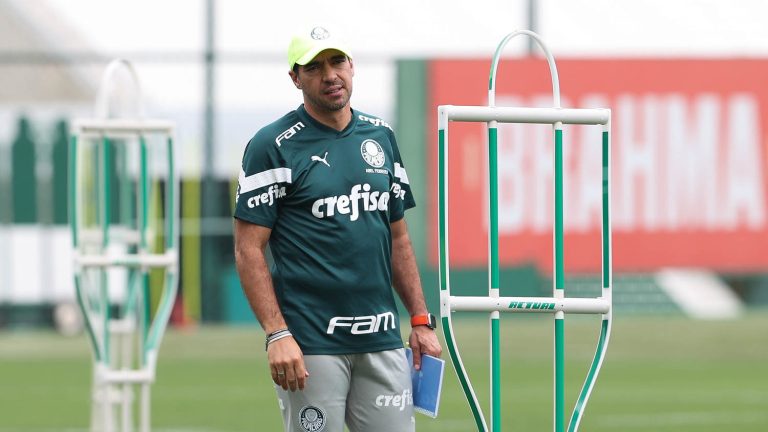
[
  {"x": 277, "y": 331},
  {"x": 276, "y": 335}
]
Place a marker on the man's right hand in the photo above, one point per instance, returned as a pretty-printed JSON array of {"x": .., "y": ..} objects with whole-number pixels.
[{"x": 286, "y": 362}]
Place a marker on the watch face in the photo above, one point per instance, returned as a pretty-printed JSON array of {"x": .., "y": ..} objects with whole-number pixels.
[{"x": 432, "y": 321}]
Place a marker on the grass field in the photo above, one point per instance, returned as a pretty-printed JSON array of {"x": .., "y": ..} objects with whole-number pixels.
[{"x": 661, "y": 374}]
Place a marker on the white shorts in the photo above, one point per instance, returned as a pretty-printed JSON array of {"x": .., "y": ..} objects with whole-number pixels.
[{"x": 370, "y": 392}]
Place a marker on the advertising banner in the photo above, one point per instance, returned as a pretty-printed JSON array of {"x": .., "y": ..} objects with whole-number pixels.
[{"x": 689, "y": 155}]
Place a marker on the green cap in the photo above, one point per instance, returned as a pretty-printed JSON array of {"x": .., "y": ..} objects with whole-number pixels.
[{"x": 305, "y": 46}]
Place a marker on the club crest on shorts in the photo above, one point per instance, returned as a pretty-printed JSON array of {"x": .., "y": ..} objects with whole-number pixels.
[
  {"x": 312, "y": 419},
  {"x": 372, "y": 153}
]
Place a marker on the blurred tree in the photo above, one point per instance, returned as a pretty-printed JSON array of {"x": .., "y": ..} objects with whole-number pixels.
[
  {"x": 60, "y": 157},
  {"x": 23, "y": 178}
]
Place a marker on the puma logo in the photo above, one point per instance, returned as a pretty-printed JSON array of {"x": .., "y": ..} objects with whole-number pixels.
[{"x": 321, "y": 159}]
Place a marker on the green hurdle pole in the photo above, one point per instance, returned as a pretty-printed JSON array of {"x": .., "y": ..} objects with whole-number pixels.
[
  {"x": 607, "y": 277},
  {"x": 558, "y": 304}
]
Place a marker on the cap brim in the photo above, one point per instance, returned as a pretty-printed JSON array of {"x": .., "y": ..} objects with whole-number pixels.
[{"x": 317, "y": 49}]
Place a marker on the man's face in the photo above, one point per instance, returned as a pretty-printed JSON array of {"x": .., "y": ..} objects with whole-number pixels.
[{"x": 326, "y": 81}]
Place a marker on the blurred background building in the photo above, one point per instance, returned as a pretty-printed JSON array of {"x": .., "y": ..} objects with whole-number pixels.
[{"x": 685, "y": 80}]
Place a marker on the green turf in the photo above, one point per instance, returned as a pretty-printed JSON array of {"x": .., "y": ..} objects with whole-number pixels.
[{"x": 661, "y": 374}]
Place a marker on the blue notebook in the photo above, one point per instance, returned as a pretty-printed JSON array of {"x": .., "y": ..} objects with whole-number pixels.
[{"x": 427, "y": 383}]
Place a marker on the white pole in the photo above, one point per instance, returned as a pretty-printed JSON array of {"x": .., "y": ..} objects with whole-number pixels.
[{"x": 144, "y": 413}]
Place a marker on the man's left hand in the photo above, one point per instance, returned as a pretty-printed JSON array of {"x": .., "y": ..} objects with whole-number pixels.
[{"x": 423, "y": 340}]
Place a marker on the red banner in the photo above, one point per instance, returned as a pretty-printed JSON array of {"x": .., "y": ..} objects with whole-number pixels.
[{"x": 689, "y": 146}]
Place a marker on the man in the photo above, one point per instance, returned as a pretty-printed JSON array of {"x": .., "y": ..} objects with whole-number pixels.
[{"x": 326, "y": 188}]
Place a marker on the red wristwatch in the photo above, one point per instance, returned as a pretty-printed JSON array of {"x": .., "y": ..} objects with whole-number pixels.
[{"x": 426, "y": 319}]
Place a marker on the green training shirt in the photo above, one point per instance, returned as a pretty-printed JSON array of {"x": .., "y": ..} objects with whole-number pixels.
[{"x": 329, "y": 197}]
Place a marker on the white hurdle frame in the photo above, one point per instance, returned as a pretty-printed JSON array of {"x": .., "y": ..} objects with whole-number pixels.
[
  {"x": 116, "y": 369},
  {"x": 558, "y": 304}
]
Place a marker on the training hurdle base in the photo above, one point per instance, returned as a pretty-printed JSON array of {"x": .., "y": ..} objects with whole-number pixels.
[{"x": 558, "y": 304}]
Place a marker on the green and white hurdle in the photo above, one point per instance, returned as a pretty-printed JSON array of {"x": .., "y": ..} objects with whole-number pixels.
[
  {"x": 558, "y": 304},
  {"x": 124, "y": 232}
]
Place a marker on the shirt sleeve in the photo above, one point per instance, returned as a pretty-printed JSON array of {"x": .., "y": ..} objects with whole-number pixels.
[
  {"x": 263, "y": 179},
  {"x": 401, "y": 196}
]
